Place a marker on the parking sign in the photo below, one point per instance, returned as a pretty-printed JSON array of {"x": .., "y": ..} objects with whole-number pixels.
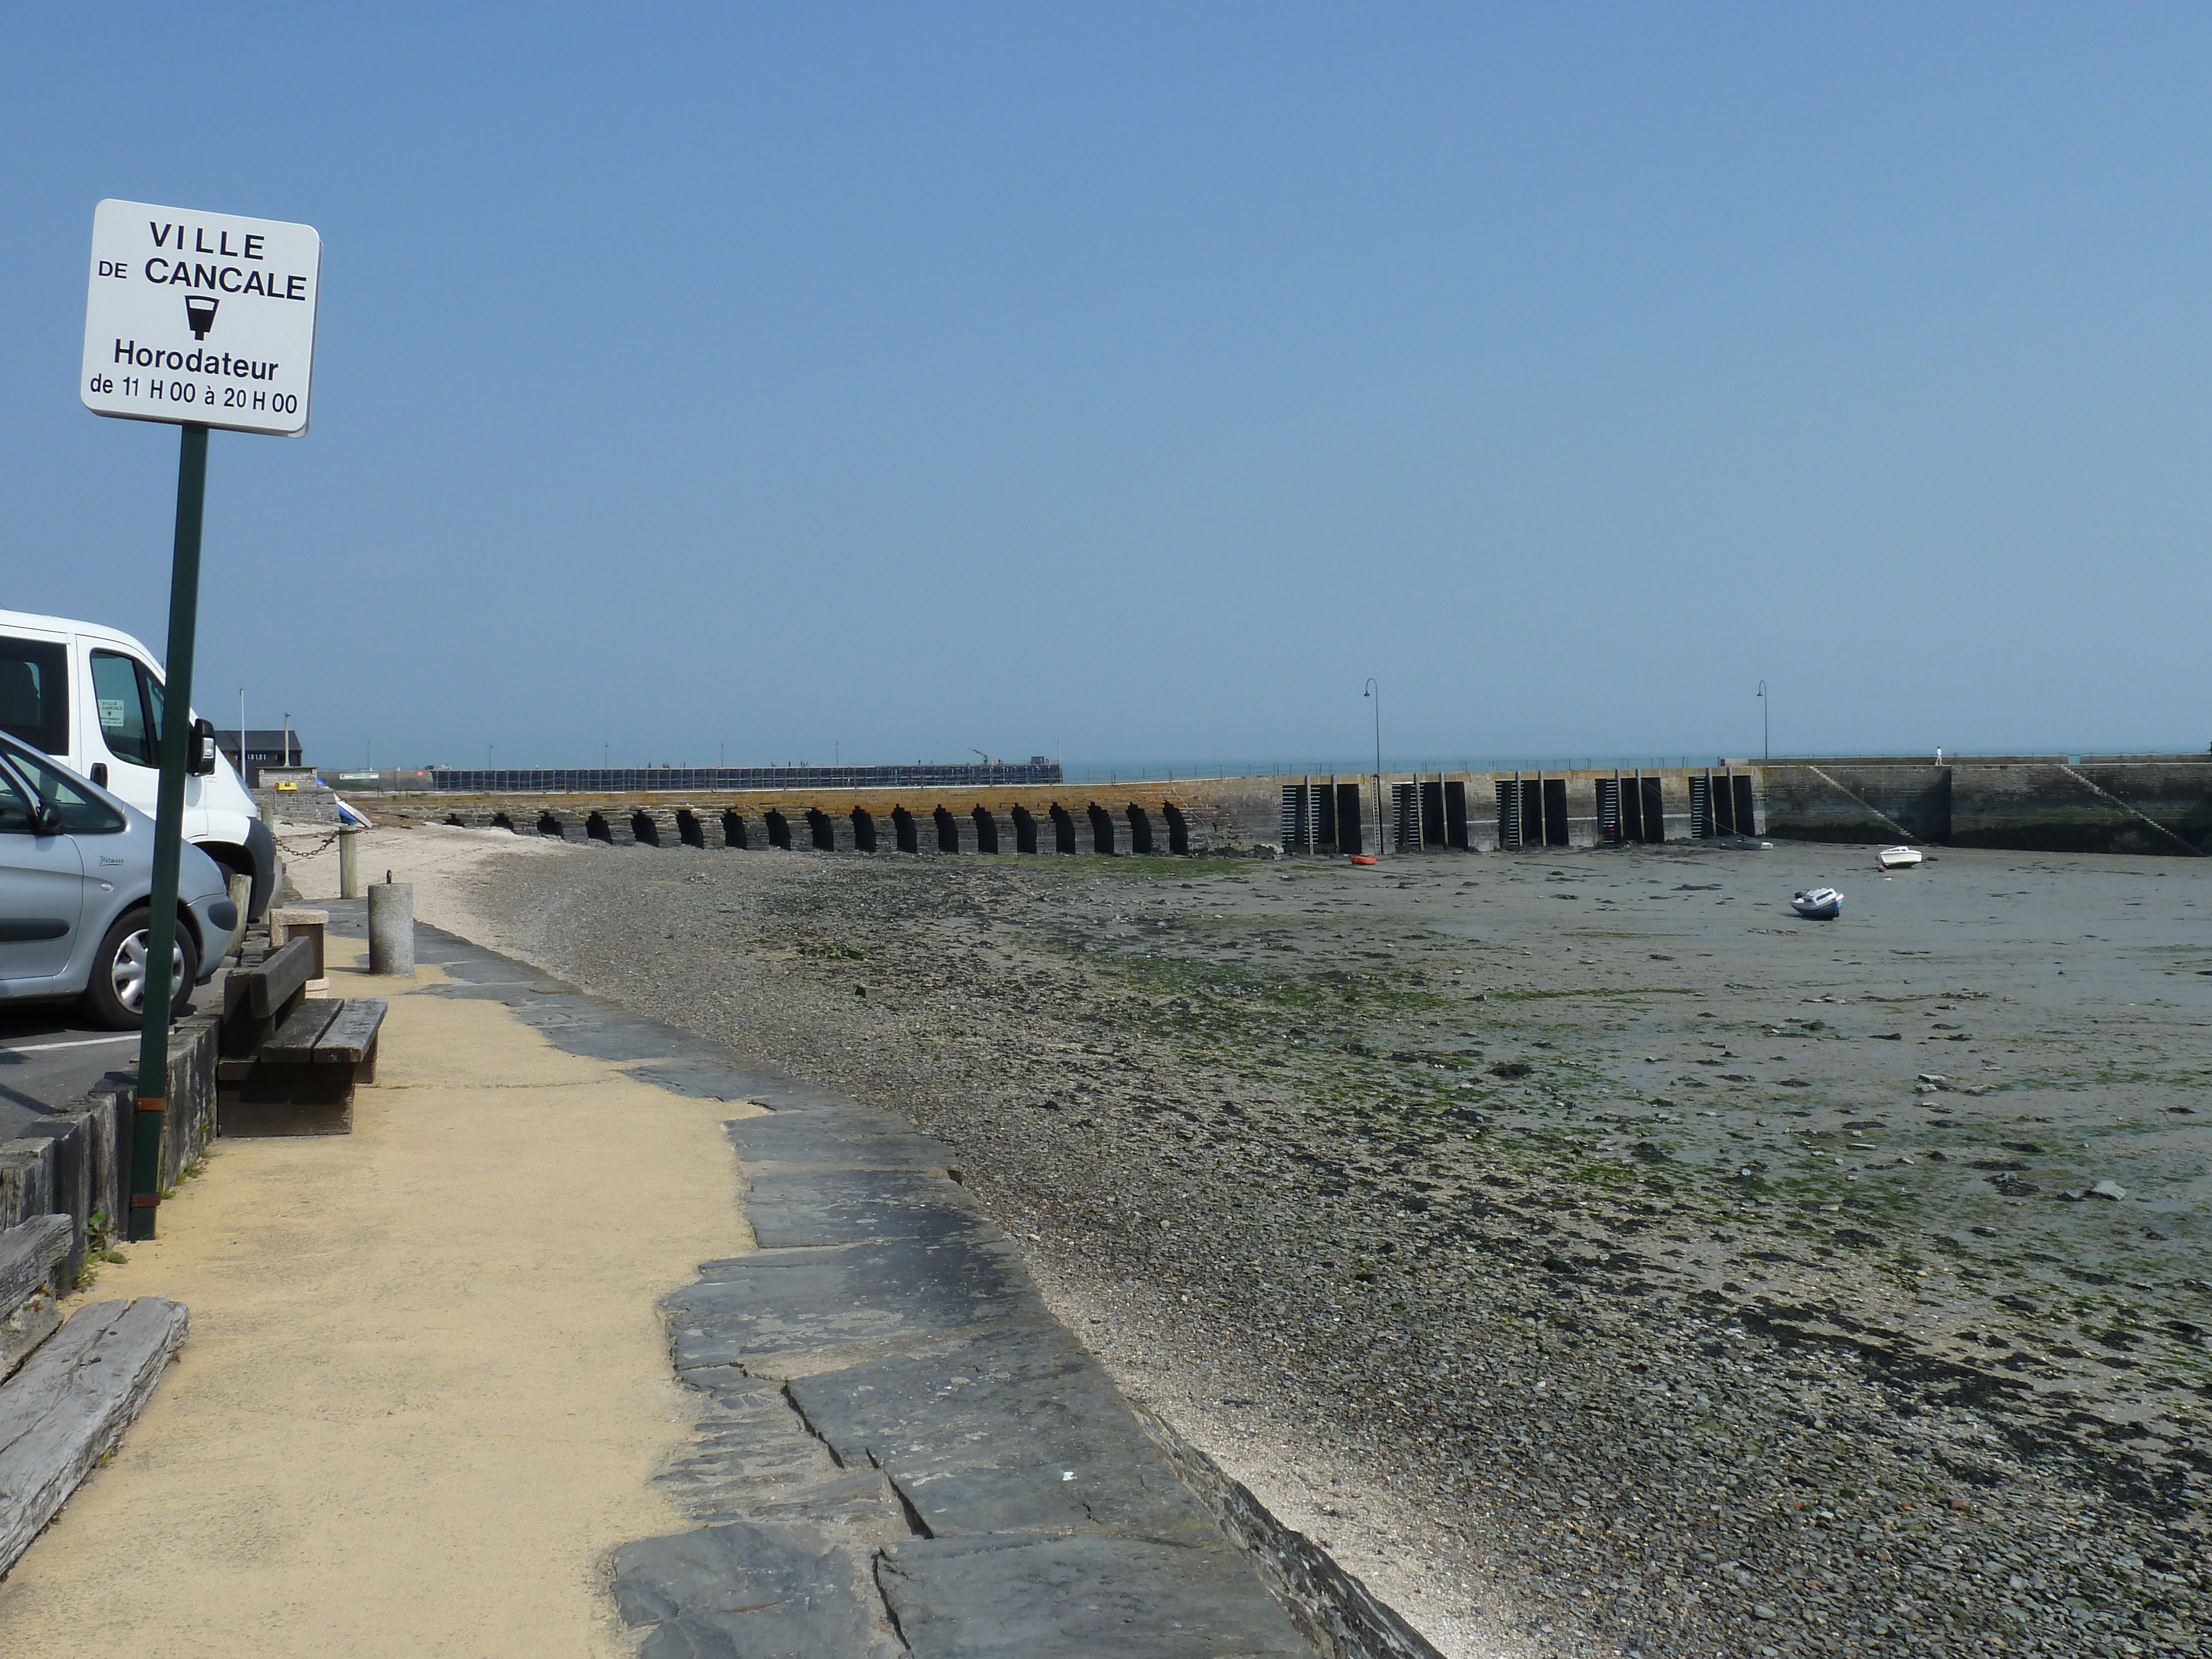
[{"x": 204, "y": 318}]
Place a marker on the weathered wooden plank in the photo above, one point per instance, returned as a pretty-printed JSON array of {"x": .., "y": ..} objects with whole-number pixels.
[
  {"x": 254, "y": 997},
  {"x": 294, "y": 1043},
  {"x": 29, "y": 1256},
  {"x": 27, "y": 1181},
  {"x": 353, "y": 1033},
  {"x": 236, "y": 1001},
  {"x": 34, "y": 1319},
  {"x": 71, "y": 1403},
  {"x": 23, "y": 1330},
  {"x": 275, "y": 983}
]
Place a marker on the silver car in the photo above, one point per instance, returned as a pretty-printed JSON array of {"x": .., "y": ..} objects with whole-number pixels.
[{"x": 77, "y": 881}]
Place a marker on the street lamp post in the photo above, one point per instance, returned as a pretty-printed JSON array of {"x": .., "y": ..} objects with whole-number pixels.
[
  {"x": 1375, "y": 691},
  {"x": 1765, "y": 744}
]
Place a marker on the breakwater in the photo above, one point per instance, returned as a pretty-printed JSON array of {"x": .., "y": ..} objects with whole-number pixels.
[
  {"x": 1316, "y": 814},
  {"x": 2100, "y": 804}
]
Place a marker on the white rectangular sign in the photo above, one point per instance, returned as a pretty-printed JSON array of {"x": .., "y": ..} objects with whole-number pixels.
[{"x": 201, "y": 317}]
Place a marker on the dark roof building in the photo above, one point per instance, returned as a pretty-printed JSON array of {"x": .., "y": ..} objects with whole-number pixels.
[{"x": 272, "y": 747}]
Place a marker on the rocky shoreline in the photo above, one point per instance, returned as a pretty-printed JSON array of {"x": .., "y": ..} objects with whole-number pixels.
[{"x": 1604, "y": 1280}]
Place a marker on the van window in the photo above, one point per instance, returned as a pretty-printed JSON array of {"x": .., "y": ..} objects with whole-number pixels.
[
  {"x": 122, "y": 708},
  {"x": 34, "y": 692},
  {"x": 83, "y": 813}
]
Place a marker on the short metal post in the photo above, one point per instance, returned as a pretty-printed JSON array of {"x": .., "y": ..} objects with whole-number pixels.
[
  {"x": 168, "y": 838},
  {"x": 350, "y": 861}
]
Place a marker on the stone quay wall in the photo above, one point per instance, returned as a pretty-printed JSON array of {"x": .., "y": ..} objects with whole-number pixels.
[{"x": 2032, "y": 802}]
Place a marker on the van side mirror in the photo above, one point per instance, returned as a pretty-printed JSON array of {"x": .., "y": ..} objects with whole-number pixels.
[
  {"x": 200, "y": 762},
  {"x": 47, "y": 820}
]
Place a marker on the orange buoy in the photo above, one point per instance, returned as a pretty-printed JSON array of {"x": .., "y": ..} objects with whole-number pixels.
[{"x": 1361, "y": 858}]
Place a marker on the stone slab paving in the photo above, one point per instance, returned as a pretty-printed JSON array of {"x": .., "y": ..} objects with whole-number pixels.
[
  {"x": 1006, "y": 1596},
  {"x": 994, "y": 1491},
  {"x": 837, "y": 1137},
  {"x": 802, "y": 1207},
  {"x": 898, "y": 1449},
  {"x": 782, "y": 1301},
  {"x": 751, "y": 1591},
  {"x": 1015, "y": 1430}
]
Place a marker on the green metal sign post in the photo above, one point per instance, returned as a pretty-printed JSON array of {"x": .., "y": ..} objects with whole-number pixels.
[
  {"x": 168, "y": 837},
  {"x": 197, "y": 320}
]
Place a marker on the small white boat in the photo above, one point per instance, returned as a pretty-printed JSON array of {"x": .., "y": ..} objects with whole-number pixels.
[
  {"x": 1819, "y": 904},
  {"x": 1898, "y": 858}
]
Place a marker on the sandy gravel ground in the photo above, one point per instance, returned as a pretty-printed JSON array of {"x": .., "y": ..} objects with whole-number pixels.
[
  {"x": 426, "y": 1387},
  {"x": 1600, "y": 1258},
  {"x": 446, "y": 865}
]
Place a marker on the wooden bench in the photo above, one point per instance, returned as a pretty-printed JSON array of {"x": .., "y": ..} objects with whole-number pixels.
[{"x": 287, "y": 1065}]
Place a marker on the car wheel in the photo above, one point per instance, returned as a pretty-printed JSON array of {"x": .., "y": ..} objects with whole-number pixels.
[{"x": 116, "y": 995}]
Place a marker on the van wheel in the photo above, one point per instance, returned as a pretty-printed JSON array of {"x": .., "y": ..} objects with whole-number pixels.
[{"x": 117, "y": 994}]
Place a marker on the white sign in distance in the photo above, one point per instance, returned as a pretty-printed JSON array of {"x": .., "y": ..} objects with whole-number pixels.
[{"x": 203, "y": 318}]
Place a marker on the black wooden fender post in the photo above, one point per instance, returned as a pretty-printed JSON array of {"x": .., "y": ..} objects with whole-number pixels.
[{"x": 168, "y": 837}]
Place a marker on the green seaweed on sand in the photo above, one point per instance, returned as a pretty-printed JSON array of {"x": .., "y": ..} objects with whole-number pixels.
[{"x": 1615, "y": 993}]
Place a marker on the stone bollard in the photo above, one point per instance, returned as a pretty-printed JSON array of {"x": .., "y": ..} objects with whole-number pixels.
[
  {"x": 349, "y": 862},
  {"x": 391, "y": 928}
]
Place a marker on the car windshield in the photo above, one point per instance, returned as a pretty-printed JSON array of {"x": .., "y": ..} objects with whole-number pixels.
[{"x": 83, "y": 812}]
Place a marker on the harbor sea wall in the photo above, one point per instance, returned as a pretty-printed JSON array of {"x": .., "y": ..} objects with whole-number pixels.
[
  {"x": 2032, "y": 803},
  {"x": 1853, "y": 801},
  {"x": 2035, "y": 803},
  {"x": 1400, "y": 811}
]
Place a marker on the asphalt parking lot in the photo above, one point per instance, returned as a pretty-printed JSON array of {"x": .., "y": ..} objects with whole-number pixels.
[{"x": 50, "y": 1053}]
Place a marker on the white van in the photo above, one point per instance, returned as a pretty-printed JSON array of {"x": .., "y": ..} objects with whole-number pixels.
[{"x": 91, "y": 697}]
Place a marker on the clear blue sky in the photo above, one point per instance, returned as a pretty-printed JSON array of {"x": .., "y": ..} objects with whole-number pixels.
[{"x": 1137, "y": 381}]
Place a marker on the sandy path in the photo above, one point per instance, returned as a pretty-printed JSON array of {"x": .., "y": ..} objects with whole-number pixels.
[{"x": 425, "y": 1386}]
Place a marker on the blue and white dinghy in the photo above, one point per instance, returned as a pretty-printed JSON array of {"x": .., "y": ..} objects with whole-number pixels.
[{"x": 1819, "y": 904}]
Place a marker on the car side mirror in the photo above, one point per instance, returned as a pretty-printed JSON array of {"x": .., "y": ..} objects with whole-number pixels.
[
  {"x": 201, "y": 761},
  {"x": 47, "y": 820}
]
